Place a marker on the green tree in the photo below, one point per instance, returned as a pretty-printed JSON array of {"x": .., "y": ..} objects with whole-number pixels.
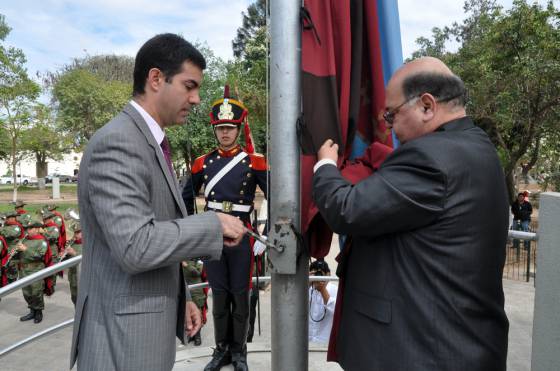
[
  {"x": 87, "y": 101},
  {"x": 254, "y": 21},
  {"x": 17, "y": 93},
  {"x": 510, "y": 62},
  {"x": 44, "y": 141}
]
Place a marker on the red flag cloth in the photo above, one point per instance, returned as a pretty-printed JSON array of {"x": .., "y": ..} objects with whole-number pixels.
[
  {"x": 4, "y": 255},
  {"x": 342, "y": 96},
  {"x": 47, "y": 259}
]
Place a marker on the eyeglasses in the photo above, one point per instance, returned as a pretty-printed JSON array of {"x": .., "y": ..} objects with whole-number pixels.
[{"x": 389, "y": 115}]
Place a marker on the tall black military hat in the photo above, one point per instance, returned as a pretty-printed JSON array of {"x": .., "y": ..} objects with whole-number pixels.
[{"x": 227, "y": 111}]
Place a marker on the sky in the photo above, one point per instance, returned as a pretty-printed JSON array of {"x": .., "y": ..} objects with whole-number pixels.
[{"x": 52, "y": 32}]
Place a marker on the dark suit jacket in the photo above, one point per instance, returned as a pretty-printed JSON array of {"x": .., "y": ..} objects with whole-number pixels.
[{"x": 423, "y": 281}]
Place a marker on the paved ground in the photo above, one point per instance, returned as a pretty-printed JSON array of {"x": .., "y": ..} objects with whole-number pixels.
[{"x": 52, "y": 353}]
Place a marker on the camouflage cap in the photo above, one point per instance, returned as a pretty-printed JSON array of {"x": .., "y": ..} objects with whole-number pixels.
[
  {"x": 11, "y": 214},
  {"x": 35, "y": 224},
  {"x": 24, "y": 219},
  {"x": 48, "y": 215},
  {"x": 19, "y": 203},
  {"x": 51, "y": 207}
]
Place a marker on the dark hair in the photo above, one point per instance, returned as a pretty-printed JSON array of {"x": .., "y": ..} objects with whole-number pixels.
[
  {"x": 521, "y": 194},
  {"x": 319, "y": 265},
  {"x": 445, "y": 88},
  {"x": 166, "y": 52}
]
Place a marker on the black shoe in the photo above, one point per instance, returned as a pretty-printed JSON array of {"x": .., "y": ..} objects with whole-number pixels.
[
  {"x": 38, "y": 316},
  {"x": 220, "y": 358},
  {"x": 28, "y": 316},
  {"x": 239, "y": 361},
  {"x": 197, "y": 339}
]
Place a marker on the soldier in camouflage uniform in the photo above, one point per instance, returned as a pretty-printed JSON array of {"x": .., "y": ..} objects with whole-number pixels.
[
  {"x": 193, "y": 273},
  {"x": 51, "y": 232},
  {"x": 35, "y": 254},
  {"x": 13, "y": 232},
  {"x": 18, "y": 207},
  {"x": 59, "y": 220},
  {"x": 74, "y": 249}
]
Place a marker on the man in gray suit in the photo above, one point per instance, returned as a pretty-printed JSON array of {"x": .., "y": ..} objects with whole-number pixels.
[
  {"x": 422, "y": 278},
  {"x": 132, "y": 298}
]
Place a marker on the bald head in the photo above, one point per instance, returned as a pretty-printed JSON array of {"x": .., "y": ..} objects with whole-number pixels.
[
  {"x": 432, "y": 96},
  {"x": 424, "y": 65}
]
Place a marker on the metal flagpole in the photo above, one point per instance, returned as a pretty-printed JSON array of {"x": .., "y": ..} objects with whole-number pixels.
[{"x": 289, "y": 263}]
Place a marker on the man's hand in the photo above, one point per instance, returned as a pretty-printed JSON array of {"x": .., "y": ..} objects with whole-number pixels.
[
  {"x": 193, "y": 319},
  {"x": 329, "y": 150},
  {"x": 232, "y": 229},
  {"x": 21, "y": 247},
  {"x": 70, "y": 251}
]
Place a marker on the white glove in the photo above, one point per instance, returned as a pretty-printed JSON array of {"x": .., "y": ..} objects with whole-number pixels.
[{"x": 259, "y": 247}]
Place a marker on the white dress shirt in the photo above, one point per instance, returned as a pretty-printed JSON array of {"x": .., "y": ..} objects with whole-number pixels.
[
  {"x": 155, "y": 129},
  {"x": 320, "y": 314}
]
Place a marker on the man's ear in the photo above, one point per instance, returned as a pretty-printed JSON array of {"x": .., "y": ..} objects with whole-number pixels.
[
  {"x": 429, "y": 106},
  {"x": 155, "y": 79}
]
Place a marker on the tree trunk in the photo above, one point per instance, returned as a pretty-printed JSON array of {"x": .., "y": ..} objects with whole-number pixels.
[
  {"x": 41, "y": 170},
  {"x": 14, "y": 173}
]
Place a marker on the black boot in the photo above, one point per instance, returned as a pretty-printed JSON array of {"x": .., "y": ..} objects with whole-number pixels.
[
  {"x": 28, "y": 316},
  {"x": 38, "y": 316},
  {"x": 197, "y": 339},
  {"x": 252, "y": 313},
  {"x": 240, "y": 315},
  {"x": 221, "y": 314}
]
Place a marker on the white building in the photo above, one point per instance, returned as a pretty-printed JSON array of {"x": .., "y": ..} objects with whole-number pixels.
[{"x": 67, "y": 166}]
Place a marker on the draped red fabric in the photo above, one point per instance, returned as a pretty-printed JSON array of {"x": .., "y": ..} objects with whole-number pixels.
[
  {"x": 342, "y": 97},
  {"x": 4, "y": 254},
  {"x": 343, "y": 94}
]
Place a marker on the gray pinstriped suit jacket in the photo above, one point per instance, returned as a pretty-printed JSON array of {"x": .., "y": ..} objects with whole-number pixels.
[{"x": 131, "y": 299}]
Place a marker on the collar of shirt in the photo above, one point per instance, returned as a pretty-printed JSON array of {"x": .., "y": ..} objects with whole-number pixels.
[{"x": 155, "y": 129}]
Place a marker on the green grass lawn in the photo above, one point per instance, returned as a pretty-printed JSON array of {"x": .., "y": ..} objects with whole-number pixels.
[
  {"x": 34, "y": 208},
  {"x": 34, "y": 188}
]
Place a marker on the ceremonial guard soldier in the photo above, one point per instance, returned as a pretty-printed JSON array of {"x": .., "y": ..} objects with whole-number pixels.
[
  {"x": 35, "y": 254},
  {"x": 13, "y": 232},
  {"x": 230, "y": 175}
]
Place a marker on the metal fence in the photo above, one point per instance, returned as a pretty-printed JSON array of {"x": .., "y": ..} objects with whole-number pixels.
[
  {"x": 19, "y": 284},
  {"x": 521, "y": 256}
]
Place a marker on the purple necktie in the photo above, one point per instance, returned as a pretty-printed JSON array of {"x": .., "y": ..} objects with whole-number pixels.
[{"x": 167, "y": 153}]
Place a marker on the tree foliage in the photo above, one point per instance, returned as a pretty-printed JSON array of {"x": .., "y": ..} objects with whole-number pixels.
[
  {"x": 510, "y": 62},
  {"x": 86, "y": 101},
  {"x": 17, "y": 94},
  {"x": 254, "y": 21},
  {"x": 44, "y": 141}
]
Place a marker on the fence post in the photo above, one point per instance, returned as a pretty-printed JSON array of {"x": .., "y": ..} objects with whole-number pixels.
[{"x": 546, "y": 323}]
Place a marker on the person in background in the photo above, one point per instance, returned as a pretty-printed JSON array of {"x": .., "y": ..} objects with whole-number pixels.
[
  {"x": 322, "y": 300},
  {"x": 35, "y": 254},
  {"x": 74, "y": 249},
  {"x": 521, "y": 210},
  {"x": 193, "y": 271}
]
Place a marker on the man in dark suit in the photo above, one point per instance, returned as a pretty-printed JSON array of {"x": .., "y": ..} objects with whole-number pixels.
[{"x": 423, "y": 277}]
